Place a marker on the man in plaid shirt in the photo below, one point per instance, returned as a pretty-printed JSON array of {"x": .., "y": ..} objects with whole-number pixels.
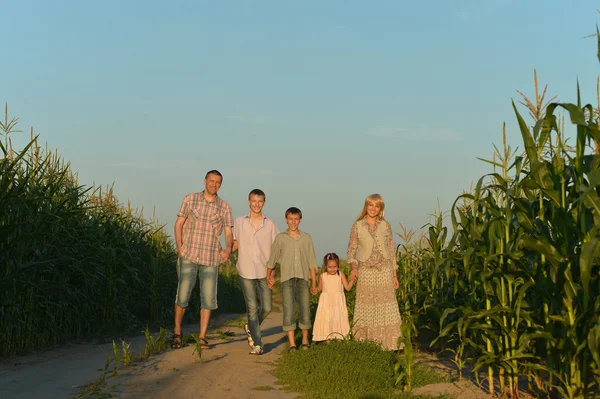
[{"x": 201, "y": 220}]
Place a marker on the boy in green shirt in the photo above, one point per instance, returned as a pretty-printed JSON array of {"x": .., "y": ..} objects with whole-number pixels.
[{"x": 296, "y": 253}]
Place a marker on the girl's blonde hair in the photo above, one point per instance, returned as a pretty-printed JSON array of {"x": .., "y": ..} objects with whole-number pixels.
[{"x": 373, "y": 198}]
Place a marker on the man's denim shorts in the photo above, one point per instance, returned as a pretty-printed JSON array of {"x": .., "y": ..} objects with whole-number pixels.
[{"x": 208, "y": 277}]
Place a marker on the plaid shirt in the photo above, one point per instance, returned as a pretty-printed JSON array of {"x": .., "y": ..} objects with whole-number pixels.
[{"x": 202, "y": 229}]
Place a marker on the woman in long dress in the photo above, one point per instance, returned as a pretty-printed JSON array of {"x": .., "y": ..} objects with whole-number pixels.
[{"x": 373, "y": 259}]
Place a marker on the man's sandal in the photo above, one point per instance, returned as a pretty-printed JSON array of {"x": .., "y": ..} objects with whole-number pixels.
[
  {"x": 203, "y": 343},
  {"x": 176, "y": 342}
]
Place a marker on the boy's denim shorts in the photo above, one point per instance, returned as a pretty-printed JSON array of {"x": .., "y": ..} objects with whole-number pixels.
[
  {"x": 295, "y": 295},
  {"x": 208, "y": 277}
]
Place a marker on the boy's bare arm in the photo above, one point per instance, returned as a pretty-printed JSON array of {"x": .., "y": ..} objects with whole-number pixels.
[
  {"x": 313, "y": 276},
  {"x": 273, "y": 257}
]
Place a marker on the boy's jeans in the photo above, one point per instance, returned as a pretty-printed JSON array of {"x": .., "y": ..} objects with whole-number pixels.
[
  {"x": 295, "y": 292},
  {"x": 258, "y": 304}
]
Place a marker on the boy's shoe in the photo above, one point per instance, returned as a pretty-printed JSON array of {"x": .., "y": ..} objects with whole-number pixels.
[
  {"x": 250, "y": 340},
  {"x": 257, "y": 350}
]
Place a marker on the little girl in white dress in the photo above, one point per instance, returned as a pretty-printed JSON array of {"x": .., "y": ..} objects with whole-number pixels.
[{"x": 331, "y": 321}]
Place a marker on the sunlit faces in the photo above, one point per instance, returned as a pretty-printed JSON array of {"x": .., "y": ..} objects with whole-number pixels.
[
  {"x": 373, "y": 209},
  {"x": 212, "y": 183},
  {"x": 256, "y": 203},
  {"x": 332, "y": 266},
  {"x": 293, "y": 221}
]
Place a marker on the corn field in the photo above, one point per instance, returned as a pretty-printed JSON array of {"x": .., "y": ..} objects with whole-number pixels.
[
  {"x": 74, "y": 263},
  {"x": 512, "y": 287}
]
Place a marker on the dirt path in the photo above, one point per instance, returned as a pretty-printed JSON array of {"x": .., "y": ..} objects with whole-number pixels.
[{"x": 226, "y": 371}]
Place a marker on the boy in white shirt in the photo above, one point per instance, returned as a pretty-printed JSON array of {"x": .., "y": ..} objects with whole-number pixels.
[{"x": 253, "y": 236}]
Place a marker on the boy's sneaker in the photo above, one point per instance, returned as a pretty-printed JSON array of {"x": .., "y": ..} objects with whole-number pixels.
[
  {"x": 250, "y": 340},
  {"x": 257, "y": 350}
]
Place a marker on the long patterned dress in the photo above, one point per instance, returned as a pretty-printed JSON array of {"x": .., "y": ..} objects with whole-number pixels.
[{"x": 376, "y": 312}]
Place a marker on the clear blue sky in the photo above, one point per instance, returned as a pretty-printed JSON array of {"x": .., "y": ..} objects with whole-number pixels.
[{"x": 319, "y": 103}]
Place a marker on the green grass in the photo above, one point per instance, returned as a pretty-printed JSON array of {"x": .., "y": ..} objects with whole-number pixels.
[
  {"x": 263, "y": 388},
  {"x": 423, "y": 375},
  {"x": 346, "y": 369},
  {"x": 222, "y": 335}
]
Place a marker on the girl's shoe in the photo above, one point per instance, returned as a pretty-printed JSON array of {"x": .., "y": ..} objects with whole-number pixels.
[
  {"x": 292, "y": 349},
  {"x": 305, "y": 347}
]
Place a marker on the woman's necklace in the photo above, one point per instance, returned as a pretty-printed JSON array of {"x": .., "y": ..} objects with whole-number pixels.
[{"x": 371, "y": 221}]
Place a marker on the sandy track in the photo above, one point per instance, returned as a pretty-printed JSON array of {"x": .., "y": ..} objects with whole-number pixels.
[{"x": 227, "y": 370}]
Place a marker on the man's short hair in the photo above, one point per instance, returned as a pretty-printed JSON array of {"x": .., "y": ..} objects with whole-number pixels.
[
  {"x": 257, "y": 191},
  {"x": 293, "y": 211},
  {"x": 214, "y": 172}
]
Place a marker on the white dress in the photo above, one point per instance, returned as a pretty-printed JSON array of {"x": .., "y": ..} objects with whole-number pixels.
[{"x": 331, "y": 321}]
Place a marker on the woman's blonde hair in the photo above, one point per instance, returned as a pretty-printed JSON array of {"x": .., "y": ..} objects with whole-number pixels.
[{"x": 373, "y": 198}]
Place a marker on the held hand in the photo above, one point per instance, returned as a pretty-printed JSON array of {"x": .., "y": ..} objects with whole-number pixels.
[
  {"x": 270, "y": 283},
  {"x": 225, "y": 254},
  {"x": 314, "y": 290},
  {"x": 396, "y": 283},
  {"x": 354, "y": 274}
]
